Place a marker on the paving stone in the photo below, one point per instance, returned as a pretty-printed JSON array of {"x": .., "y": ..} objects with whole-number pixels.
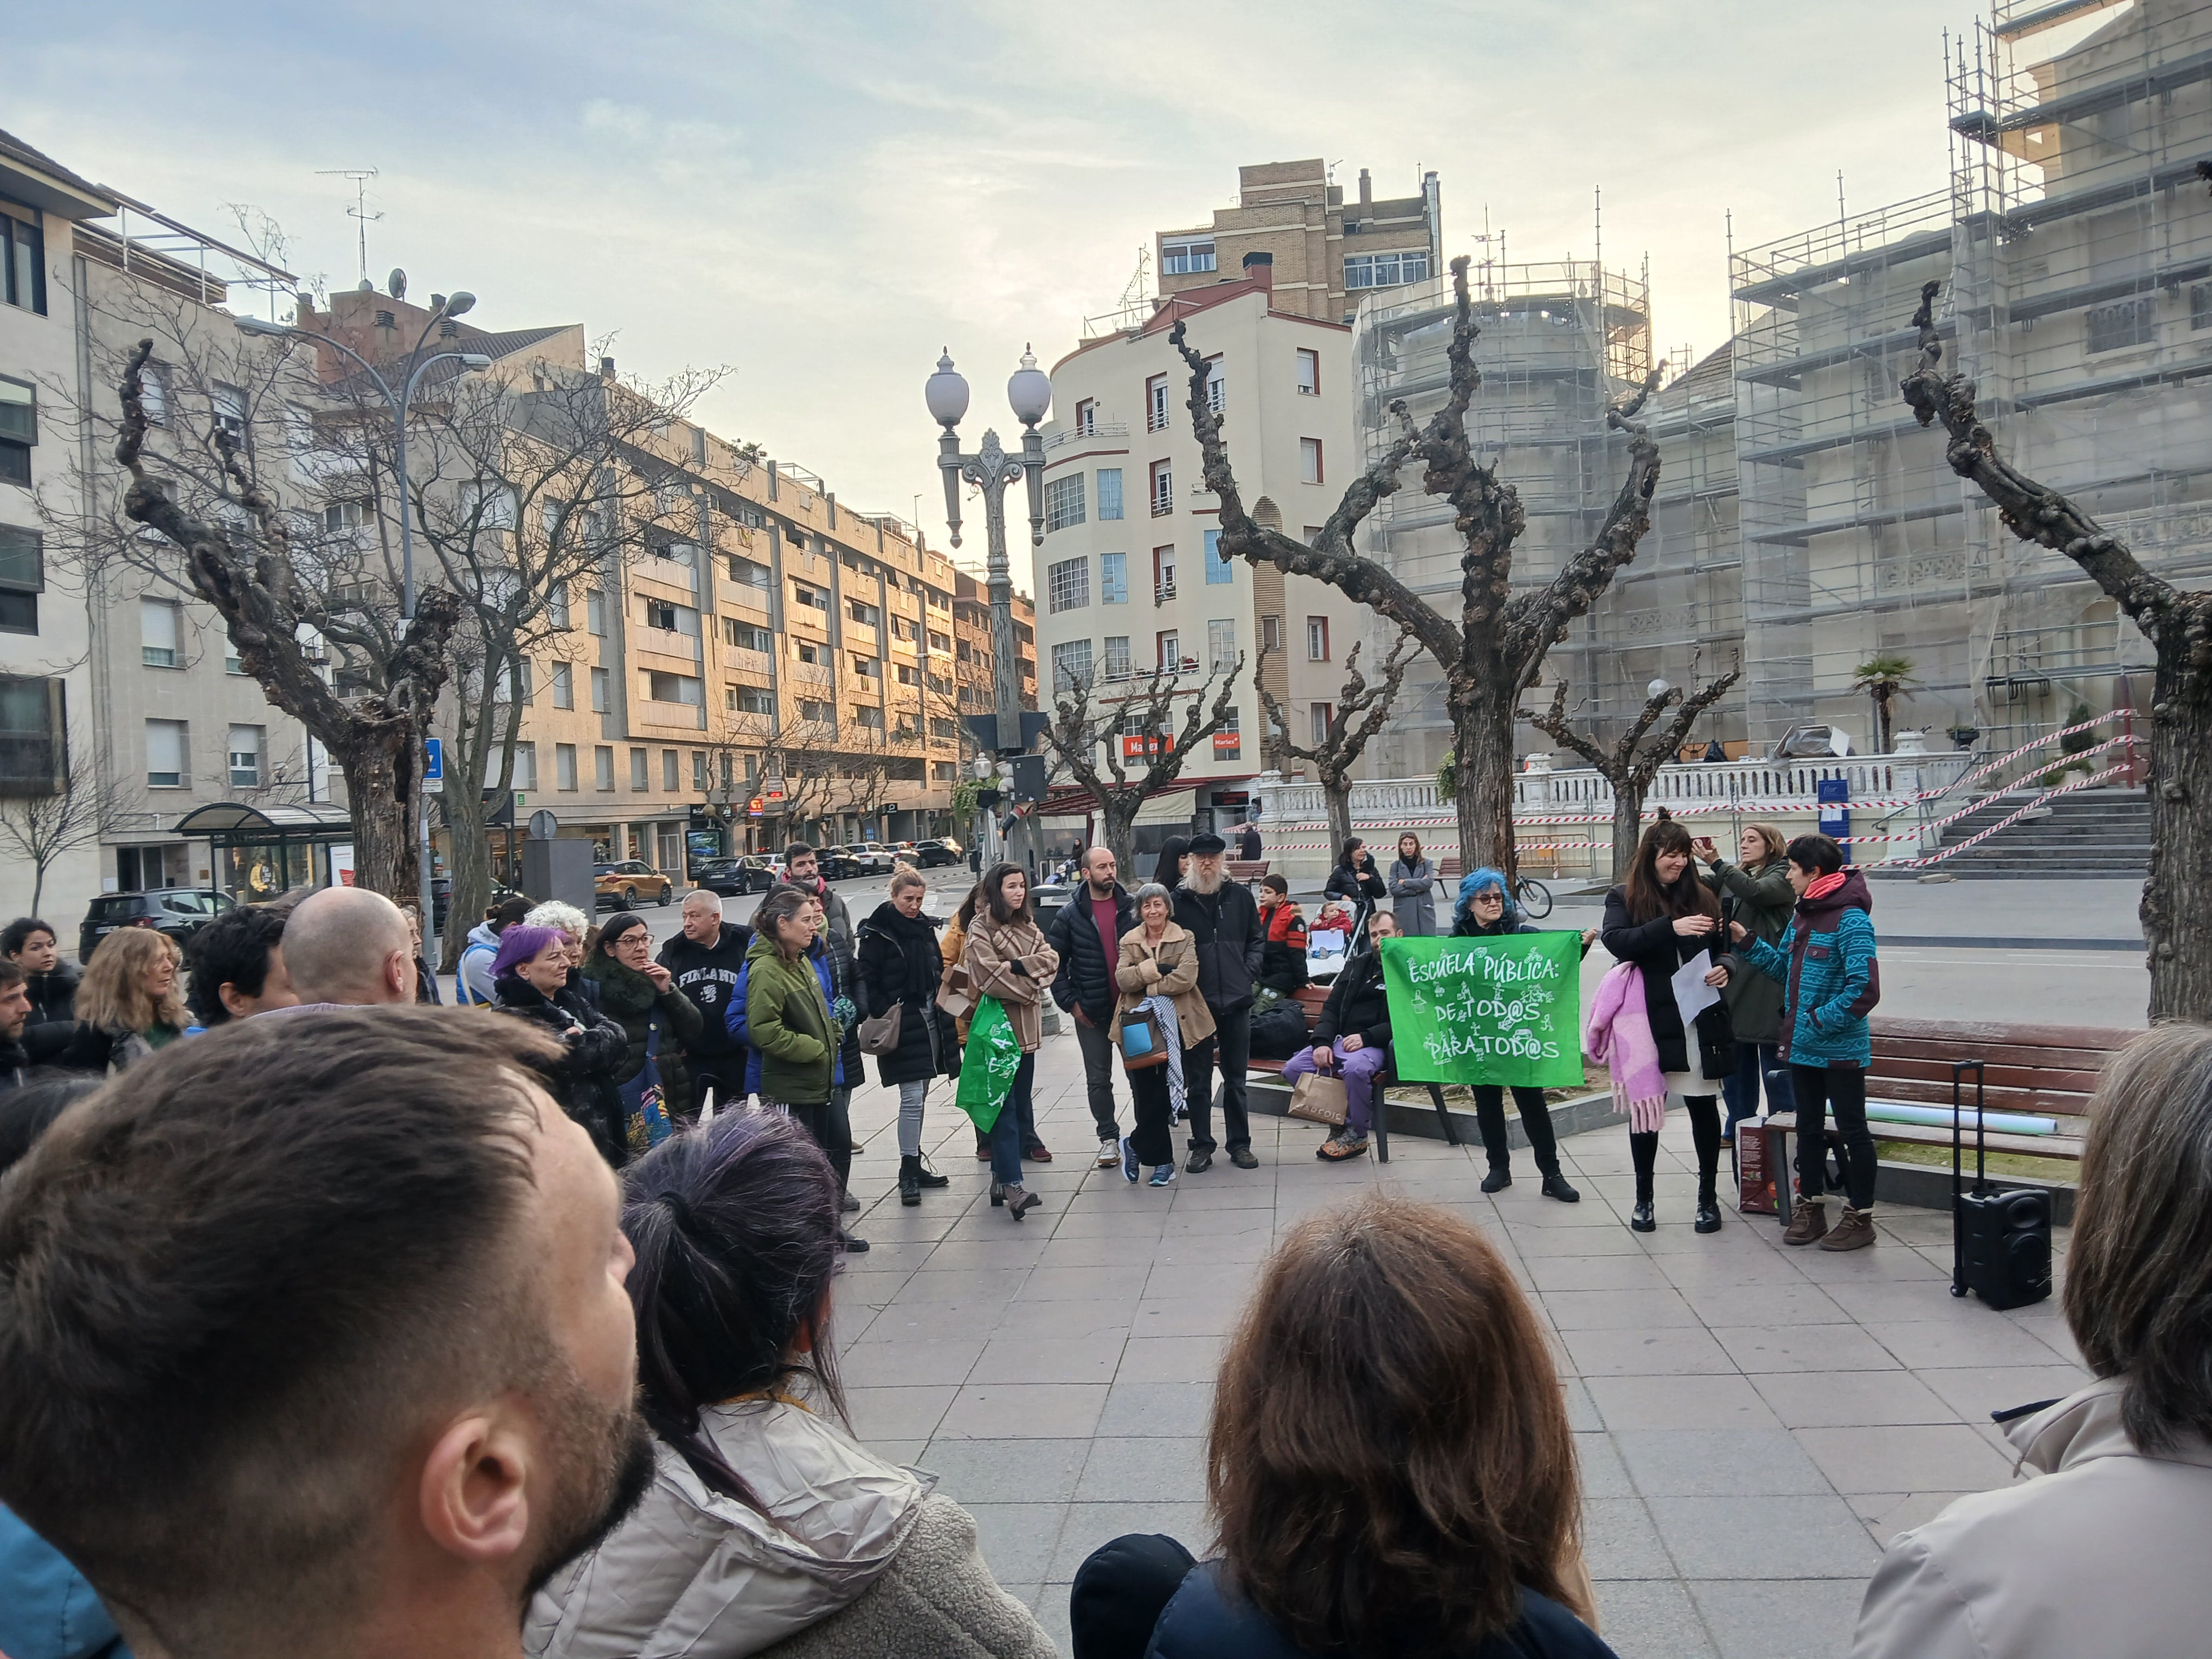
[
  {"x": 1951, "y": 1457},
  {"x": 1807, "y": 1619}
]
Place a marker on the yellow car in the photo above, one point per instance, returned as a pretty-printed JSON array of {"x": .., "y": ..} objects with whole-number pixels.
[{"x": 629, "y": 880}]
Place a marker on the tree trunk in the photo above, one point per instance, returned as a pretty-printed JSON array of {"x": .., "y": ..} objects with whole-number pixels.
[
  {"x": 2177, "y": 896},
  {"x": 1881, "y": 720},
  {"x": 468, "y": 857},
  {"x": 37, "y": 886},
  {"x": 384, "y": 788},
  {"x": 1120, "y": 831},
  {"x": 1482, "y": 723},
  {"x": 1339, "y": 797},
  {"x": 1627, "y": 826}
]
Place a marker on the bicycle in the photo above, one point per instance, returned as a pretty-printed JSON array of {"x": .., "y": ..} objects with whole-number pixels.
[{"x": 1533, "y": 896}]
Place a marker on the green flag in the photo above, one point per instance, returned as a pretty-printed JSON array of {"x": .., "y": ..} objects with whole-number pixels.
[
  {"x": 987, "y": 1070},
  {"x": 1505, "y": 1009}
]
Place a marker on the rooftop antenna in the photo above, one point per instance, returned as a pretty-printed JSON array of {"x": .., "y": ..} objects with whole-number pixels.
[
  {"x": 1597, "y": 221},
  {"x": 359, "y": 211}
]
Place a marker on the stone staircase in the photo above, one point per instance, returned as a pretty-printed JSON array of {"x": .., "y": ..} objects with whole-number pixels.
[{"x": 2093, "y": 832}]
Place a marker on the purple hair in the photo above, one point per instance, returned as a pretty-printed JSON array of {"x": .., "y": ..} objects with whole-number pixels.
[
  {"x": 519, "y": 944},
  {"x": 735, "y": 1227}
]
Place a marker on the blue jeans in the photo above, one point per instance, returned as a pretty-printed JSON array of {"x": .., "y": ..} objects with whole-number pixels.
[
  {"x": 1015, "y": 1122},
  {"x": 1741, "y": 1090}
]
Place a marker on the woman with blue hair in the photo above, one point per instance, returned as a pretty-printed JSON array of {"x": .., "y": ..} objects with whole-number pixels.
[{"x": 1485, "y": 908}]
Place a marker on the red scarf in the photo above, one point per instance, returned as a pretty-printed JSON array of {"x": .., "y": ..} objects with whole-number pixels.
[{"x": 1820, "y": 886}]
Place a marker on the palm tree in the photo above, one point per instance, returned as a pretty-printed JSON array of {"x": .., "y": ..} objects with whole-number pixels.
[{"x": 1883, "y": 676}]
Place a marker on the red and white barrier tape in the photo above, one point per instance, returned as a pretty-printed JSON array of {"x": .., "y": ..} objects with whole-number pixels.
[{"x": 2006, "y": 823}]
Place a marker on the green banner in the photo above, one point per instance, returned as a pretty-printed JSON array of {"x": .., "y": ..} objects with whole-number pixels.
[{"x": 1504, "y": 1010}]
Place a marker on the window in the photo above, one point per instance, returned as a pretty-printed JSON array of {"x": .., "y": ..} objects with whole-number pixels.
[
  {"x": 670, "y": 776},
  {"x": 564, "y": 686},
  {"x": 1117, "y": 657},
  {"x": 564, "y": 766},
  {"x": 812, "y": 598},
  {"x": 944, "y": 772},
  {"x": 245, "y": 757},
  {"x": 658, "y": 613},
  {"x": 673, "y": 688},
  {"x": 806, "y": 651},
  {"x": 516, "y": 682},
  {"x": 1063, "y": 503},
  {"x": 338, "y": 517},
  {"x": 1387, "y": 269},
  {"x": 153, "y": 393},
  {"x": 1320, "y": 712},
  {"x": 598, "y": 690},
  {"x": 19, "y": 430},
  {"x": 23, "y": 255},
  {"x": 1170, "y": 652},
  {"x": 940, "y": 643},
  {"x": 484, "y": 506},
  {"x": 1164, "y": 575},
  {"x": 866, "y": 615},
  {"x": 1308, "y": 373},
  {"x": 906, "y": 674},
  {"x": 165, "y": 750},
  {"x": 1310, "y": 459},
  {"x": 699, "y": 770},
  {"x": 867, "y": 717},
  {"x": 1086, "y": 418},
  {"x": 602, "y": 766},
  {"x": 1316, "y": 639},
  {"x": 34, "y": 736},
  {"x": 2200, "y": 305},
  {"x": 1113, "y": 578},
  {"x": 1218, "y": 570},
  {"x": 1067, "y": 586},
  {"x": 1071, "y": 664},
  {"x": 1109, "y": 492},
  {"x": 2124, "y": 323},
  {"x": 943, "y": 726},
  {"x": 868, "y": 668},
  {"x": 1216, "y": 388},
  {"x": 747, "y": 574},
  {"x": 748, "y": 700},
  {"x": 1221, "y": 645},
  {"x": 157, "y": 635},
  {"x": 1189, "y": 256},
  {"x": 1271, "y": 633},
  {"x": 595, "y": 613},
  {"x": 638, "y": 764},
  {"x": 903, "y": 629},
  {"x": 1162, "y": 488},
  {"x": 820, "y": 712},
  {"x": 746, "y": 636},
  {"x": 1156, "y": 404},
  {"x": 524, "y": 775},
  {"x": 22, "y": 579}
]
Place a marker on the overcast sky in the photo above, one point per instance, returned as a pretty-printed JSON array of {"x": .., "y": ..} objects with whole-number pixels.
[{"x": 821, "y": 196}]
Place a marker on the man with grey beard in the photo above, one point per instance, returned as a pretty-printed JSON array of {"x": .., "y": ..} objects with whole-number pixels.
[{"x": 1222, "y": 917}]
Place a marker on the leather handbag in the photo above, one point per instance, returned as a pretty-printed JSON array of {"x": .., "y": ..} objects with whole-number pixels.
[
  {"x": 880, "y": 1036},
  {"x": 1141, "y": 1039},
  {"x": 1318, "y": 1097}
]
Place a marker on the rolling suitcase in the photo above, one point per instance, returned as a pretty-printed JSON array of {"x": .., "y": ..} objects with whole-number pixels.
[{"x": 2000, "y": 1241}]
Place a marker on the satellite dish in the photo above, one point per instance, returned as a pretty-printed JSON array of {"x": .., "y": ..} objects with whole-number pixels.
[{"x": 396, "y": 284}]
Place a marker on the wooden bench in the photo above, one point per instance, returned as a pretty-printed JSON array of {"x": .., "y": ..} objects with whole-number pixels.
[
  {"x": 2046, "y": 1071},
  {"x": 1310, "y": 1000},
  {"x": 1248, "y": 871}
]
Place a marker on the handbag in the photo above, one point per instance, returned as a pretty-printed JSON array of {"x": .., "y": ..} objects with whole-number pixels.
[
  {"x": 1142, "y": 1043},
  {"x": 645, "y": 1103},
  {"x": 1318, "y": 1097},
  {"x": 880, "y": 1036}
]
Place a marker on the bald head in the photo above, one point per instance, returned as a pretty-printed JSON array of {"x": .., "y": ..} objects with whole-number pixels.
[{"x": 348, "y": 944}]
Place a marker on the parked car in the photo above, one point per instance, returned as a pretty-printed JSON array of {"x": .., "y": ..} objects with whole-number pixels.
[
  {"x": 179, "y": 911},
  {"x": 837, "y": 863},
  {"x": 441, "y": 900},
  {"x": 873, "y": 857},
  {"x": 941, "y": 849},
  {"x": 624, "y": 882},
  {"x": 748, "y": 873}
]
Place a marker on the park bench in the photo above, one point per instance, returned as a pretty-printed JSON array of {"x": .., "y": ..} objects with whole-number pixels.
[
  {"x": 2046, "y": 1071},
  {"x": 1248, "y": 871},
  {"x": 1309, "y": 1000}
]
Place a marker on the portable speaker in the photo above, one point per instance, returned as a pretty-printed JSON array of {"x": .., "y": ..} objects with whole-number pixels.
[{"x": 2000, "y": 1241}]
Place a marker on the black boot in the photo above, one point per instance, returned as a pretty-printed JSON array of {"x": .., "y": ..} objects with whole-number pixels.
[
  {"x": 909, "y": 1179},
  {"x": 1708, "y": 1207},
  {"x": 927, "y": 1176},
  {"x": 1641, "y": 1218},
  {"x": 1555, "y": 1186},
  {"x": 1497, "y": 1179}
]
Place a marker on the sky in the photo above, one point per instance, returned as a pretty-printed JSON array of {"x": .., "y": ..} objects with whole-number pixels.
[{"x": 821, "y": 196}]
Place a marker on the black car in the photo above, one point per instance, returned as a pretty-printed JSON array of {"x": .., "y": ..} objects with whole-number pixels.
[
  {"x": 837, "y": 863},
  {"x": 748, "y": 873},
  {"x": 941, "y": 850},
  {"x": 179, "y": 911},
  {"x": 441, "y": 900}
]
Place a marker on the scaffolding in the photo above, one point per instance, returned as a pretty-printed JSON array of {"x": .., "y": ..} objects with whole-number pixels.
[{"x": 1559, "y": 342}]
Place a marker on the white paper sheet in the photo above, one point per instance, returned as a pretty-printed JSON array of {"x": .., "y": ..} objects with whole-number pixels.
[{"x": 1692, "y": 995}]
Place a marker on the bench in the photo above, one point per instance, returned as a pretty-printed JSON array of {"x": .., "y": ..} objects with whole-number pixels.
[
  {"x": 1248, "y": 871},
  {"x": 1310, "y": 1000},
  {"x": 2048, "y": 1071}
]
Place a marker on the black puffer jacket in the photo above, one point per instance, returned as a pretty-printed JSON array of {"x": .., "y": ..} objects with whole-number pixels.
[
  {"x": 1660, "y": 952},
  {"x": 628, "y": 997},
  {"x": 1231, "y": 945},
  {"x": 582, "y": 1082},
  {"x": 1086, "y": 972},
  {"x": 1362, "y": 888},
  {"x": 900, "y": 964},
  {"x": 52, "y": 1025},
  {"x": 1358, "y": 1003}
]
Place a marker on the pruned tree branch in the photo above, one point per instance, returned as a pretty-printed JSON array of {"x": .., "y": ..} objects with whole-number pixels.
[{"x": 1080, "y": 728}]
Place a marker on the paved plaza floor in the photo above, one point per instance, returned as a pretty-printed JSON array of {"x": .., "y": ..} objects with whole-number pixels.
[{"x": 1753, "y": 1420}]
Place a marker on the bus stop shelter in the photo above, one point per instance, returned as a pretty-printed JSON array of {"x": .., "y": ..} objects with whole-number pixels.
[{"x": 262, "y": 851}]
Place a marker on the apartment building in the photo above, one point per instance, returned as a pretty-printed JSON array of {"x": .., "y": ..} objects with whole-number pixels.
[
  {"x": 1326, "y": 254},
  {"x": 1130, "y": 576}
]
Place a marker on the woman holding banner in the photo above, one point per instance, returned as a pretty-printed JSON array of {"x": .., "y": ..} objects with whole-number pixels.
[
  {"x": 1158, "y": 972},
  {"x": 1484, "y": 911},
  {"x": 1661, "y": 919},
  {"x": 1010, "y": 966}
]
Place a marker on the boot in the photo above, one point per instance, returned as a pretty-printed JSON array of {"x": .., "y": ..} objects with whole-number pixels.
[
  {"x": 926, "y": 1176},
  {"x": 1497, "y": 1179},
  {"x": 909, "y": 1179},
  {"x": 1811, "y": 1222},
  {"x": 1641, "y": 1218},
  {"x": 1854, "y": 1232},
  {"x": 1555, "y": 1186},
  {"x": 1709, "y": 1205}
]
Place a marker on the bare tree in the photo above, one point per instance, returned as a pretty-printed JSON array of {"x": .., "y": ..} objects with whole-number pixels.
[
  {"x": 823, "y": 774},
  {"x": 1361, "y": 710},
  {"x": 42, "y": 829},
  {"x": 1144, "y": 716},
  {"x": 1495, "y": 652},
  {"x": 2176, "y": 900},
  {"x": 1629, "y": 769}
]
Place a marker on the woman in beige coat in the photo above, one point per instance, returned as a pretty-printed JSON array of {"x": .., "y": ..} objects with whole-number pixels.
[
  {"x": 1158, "y": 969},
  {"x": 2102, "y": 1551},
  {"x": 1006, "y": 957}
]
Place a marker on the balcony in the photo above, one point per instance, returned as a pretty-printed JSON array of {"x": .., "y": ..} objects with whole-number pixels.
[
  {"x": 1163, "y": 592},
  {"x": 807, "y": 673},
  {"x": 1163, "y": 505},
  {"x": 1096, "y": 429}
]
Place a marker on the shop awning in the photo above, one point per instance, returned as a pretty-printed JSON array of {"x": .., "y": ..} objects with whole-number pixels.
[{"x": 231, "y": 820}]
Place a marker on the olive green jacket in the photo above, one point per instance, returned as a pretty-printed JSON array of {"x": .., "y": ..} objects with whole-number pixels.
[
  {"x": 787, "y": 1020},
  {"x": 1763, "y": 902}
]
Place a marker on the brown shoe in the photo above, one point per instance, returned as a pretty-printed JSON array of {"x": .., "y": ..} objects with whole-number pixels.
[
  {"x": 1854, "y": 1232},
  {"x": 1810, "y": 1222}
]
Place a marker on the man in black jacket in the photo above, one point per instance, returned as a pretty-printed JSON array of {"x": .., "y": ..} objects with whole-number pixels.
[
  {"x": 1352, "y": 1039},
  {"x": 1222, "y": 917},
  {"x": 704, "y": 961},
  {"x": 1087, "y": 934}
]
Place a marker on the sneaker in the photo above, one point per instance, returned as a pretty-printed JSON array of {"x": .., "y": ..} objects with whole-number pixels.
[
  {"x": 1243, "y": 1157},
  {"x": 1497, "y": 1179},
  {"x": 1854, "y": 1232},
  {"x": 1341, "y": 1145},
  {"x": 1162, "y": 1176},
  {"x": 1811, "y": 1222},
  {"x": 1038, "y": 1153},
  {"x": 1109, "y": 1152},
  {"x": 849, "y": 1205},
  {"x": 853, "y": 1246},
  {"x": 1200, "y": 1162},
  {"x": 1130, "y": 1167}
]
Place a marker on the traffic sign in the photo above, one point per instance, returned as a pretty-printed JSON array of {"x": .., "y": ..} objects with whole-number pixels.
[{"x": 434, "y": 766}]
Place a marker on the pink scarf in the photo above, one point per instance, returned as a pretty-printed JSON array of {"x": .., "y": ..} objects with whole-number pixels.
[{"x": 1619, "y": 1032}]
